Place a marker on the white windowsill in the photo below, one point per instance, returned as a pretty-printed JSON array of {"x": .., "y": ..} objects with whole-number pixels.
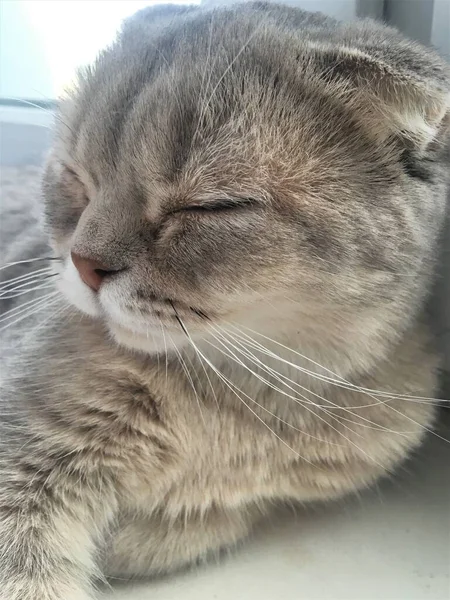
[{"x": 42, "y": 117}]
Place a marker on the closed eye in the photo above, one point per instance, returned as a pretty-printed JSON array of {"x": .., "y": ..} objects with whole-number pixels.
[
  {"x": 220, "y": 205},
  {"x": 72, "y": 173},
  {"x": 77, "y": 188}
]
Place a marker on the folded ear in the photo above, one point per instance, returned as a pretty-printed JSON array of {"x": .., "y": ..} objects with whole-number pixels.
[{"x": 408, "y": 98}]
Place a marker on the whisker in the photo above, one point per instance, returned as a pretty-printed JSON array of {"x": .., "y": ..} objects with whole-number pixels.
[
  {"x": 266, "y": 368},
  {"x": 265, "y": 351},
  {"x": 231, "y": 387},
  {"x": 365, "y": 391},
  {"x": 23, "y": 317},
  {"x": 52, "y": 315},
  {"x": 230, "y": 65},
  {"x": 33, "y": 281},
  {"x": 199, "y": 313},
  {"x": 268, "y": 411},
  {"x": 7, "y": 282},
  {"x": 28, "y": 103},
  {"x": 204, "y": 88},
  {"x": 53, "y": 113},
  {"x": 341, "y": 382},
  {"x": 328, "y": 424},
  {"x": 165, "y": 347},
  {"x": 277, "y": 375},
  {"x": 28, "y": 291},
  {"x": 304, "y": 402},
  {"x": 29, "y": 260},
  {"x": 222, "y": 77},
  {"x": 208, "y": 379},
  {"x": 188, "y": 375},
  {"x": 368, "y": 424},
  {"x": 26, "y": 306},
  {"x": 195, "y": 372}
]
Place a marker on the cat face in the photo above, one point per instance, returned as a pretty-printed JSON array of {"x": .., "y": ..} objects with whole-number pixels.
[{"x": 207, "y": 172}]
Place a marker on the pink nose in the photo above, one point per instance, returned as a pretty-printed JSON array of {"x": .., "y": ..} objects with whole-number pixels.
[{"x": 91, "y": 271}]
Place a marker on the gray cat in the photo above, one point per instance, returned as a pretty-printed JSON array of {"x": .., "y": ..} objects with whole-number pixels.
[{"x": 244, "y": 205}]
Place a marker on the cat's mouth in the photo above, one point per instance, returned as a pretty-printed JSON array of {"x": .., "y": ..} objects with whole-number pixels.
[
  {"x": 130, "y": 310},
  {"x": 134, "y": 318},
  {"x": 150, "y": 325},
  {"x": 167, "y": 310},
  {"x": 153, "y": 332}
]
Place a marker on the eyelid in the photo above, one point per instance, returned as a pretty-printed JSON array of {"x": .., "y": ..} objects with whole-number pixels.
[
  {"x": 220, "y": 204},
  {"x": 80, "y": 184},
  {"x": 72, "y": 172}
]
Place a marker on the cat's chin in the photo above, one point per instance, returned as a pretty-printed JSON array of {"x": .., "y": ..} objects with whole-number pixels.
[
  {"x": 154, "y": 341},
  {"x": 126, "y": 330}
]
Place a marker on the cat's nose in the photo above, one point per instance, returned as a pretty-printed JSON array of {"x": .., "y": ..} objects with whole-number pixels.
[{"x": 91, "y": 271}]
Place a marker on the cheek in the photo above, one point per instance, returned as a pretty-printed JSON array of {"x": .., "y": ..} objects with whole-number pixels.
[
  {"x": 76, "y": 292},
  {"x": 61, "y": 221},
  {"x": 65, "y": 202},
  {"x": 225, "y": 251}
]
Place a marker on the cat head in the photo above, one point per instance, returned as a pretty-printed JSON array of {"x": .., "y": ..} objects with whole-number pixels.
[{"x": 226, "y": 167}]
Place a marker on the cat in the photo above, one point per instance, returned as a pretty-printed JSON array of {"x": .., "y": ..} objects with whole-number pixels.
[{"x": 243, "y": 206}]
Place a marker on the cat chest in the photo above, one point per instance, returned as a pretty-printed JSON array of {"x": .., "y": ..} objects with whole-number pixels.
[{"x": 215, "y": 460}]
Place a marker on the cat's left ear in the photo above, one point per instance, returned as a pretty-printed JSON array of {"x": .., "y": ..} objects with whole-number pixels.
[{"x": 400, "y": 98}]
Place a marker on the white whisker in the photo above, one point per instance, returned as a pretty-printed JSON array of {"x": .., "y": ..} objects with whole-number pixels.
[
  {"x": 368, "y": 424},
  {"x": 354, "y": 387},
  {"x": 206, "y": 103},
  {"x": 231, "y": 387},
  {"x": 29, "y": 260},
  {"x": 268, "y": 411},
  {"x": 28, "y": 291},
  {"x": 165, "y": 347},
  {"x": 185, "y": 369},
  {"x": 31, "y": 275},
  {"x": 51, "y": 316},
  {"x": 36, "y": 310},
  {"x": 197, "y": 378},
  {"x": 26, "y": 306},
  {"x": 32, "y": 281},
  {"x": 208, "y": 378},
  {"x": 324, "y": 409},
  {"x": 328, "y": 424},
  {"x": 234, "y": 387},
  {"x": 341, "y": 381}
]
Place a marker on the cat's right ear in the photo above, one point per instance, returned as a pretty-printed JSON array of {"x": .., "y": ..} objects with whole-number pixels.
[{"x": 407, "y": 99}]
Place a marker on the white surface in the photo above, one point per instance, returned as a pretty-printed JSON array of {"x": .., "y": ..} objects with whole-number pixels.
[
  {"x": 27, "y": 115},
  {"x": 391, "y": 543}
]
